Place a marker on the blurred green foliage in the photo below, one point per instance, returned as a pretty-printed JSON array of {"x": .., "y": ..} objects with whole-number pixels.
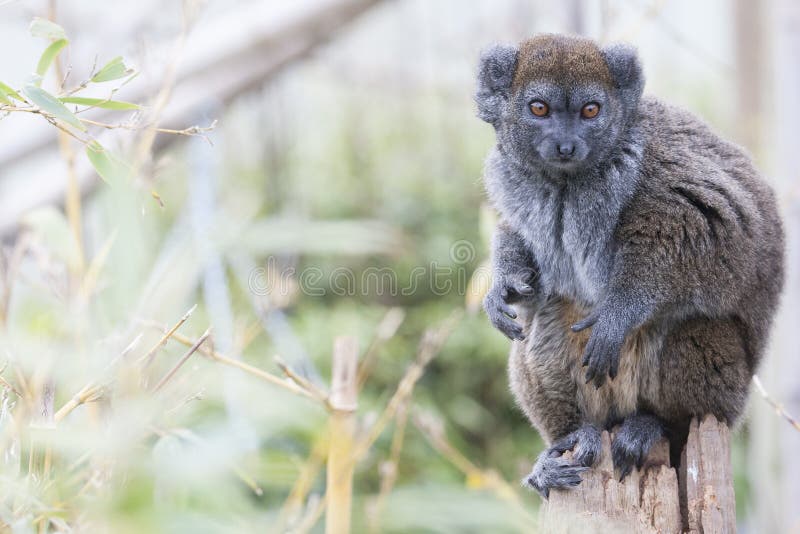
[{"x": 317, "y": 170}]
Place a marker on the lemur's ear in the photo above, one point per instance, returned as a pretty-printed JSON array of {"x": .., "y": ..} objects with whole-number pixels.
[
  {"x": 626, "y": 70},
  {"x": 495, "y": 73}
]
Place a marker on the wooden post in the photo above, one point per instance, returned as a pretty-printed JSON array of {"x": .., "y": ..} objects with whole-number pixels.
[
  {"x": 344, "y": 389},
  {"x": 655, "y": 498}
]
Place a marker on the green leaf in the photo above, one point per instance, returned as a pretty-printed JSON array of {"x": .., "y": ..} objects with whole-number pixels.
[
  {"x": 98, "y": 102},
  {"x": 110, "y": 168},
  {"x": 113, "y": 70},
  {"x": 49, "y": 55},
  {"x": 6, "y": 91},
  {"x": 47, "y": 29},
  {"x": 51, "y": 105}
]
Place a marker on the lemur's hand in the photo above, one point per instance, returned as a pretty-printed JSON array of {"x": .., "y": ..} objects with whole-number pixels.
[
  {"x": 603, "y": 350},
  {"x": 507, "y": 290}
]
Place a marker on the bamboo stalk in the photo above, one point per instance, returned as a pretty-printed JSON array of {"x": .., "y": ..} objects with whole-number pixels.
[
  {"x": 430, "y": 345},
  {"x": 344, "y": 390},
  {"x": 72, "y": 194}
]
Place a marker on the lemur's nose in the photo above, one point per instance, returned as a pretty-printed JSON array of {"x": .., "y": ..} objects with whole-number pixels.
[{"x": 566, "y": 150}]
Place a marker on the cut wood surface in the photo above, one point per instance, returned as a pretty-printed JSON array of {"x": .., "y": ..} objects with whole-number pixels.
[{"x": 697, "y": 498}]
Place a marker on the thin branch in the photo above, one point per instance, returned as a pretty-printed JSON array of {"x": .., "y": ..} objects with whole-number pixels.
[
  {"x": 191, "y": 131},
  {"x": 386, "y": 330},
  {"x": 193, "y": 397},
  {"x": 148, "y": 358},
  {"x": 93, "y": 391},
  {"x": 183, "y": 359},
  {"x": 778, "y": 407},
  {"x": 320, "y": 395},
  {"x": 247, "y": 368},
  {"x": 389, "y": 468}
]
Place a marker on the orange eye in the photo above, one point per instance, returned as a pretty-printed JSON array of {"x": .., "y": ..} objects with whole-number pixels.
[
  {"x": 590, "y": 110},
  {"x": 539, "y": 108}
]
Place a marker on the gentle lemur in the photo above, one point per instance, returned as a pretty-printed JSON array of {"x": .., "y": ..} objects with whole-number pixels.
[{"x": 644, "y": 253}]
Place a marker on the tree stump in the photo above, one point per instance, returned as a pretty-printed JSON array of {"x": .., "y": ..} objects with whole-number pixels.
[{"x": 697, "y": 497}]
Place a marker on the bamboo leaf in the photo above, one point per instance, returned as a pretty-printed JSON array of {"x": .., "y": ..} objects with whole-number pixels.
[
  {"x": 98, "y": 102},
  {"x": 47, "y": 29},
  {"x": 113, "y": 70},
  {"x": 51, "y": 105},
  {"x": 6, "y": 91},
  {"x": 110, "y": 168},
  {"x": 49, "y": 55}
]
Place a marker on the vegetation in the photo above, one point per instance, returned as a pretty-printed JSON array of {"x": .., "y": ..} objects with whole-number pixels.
[
  {"x": 168, "y": 340},
  {"x": 123, "y": 411}
]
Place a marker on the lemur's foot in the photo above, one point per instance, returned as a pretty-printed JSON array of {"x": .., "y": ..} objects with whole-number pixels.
[
  {"x": 552, "y": 470},
  {"x": 633, "y": 441}
]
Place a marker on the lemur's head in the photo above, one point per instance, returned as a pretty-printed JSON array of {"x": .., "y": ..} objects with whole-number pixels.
[{"x": 556, "y": 101}]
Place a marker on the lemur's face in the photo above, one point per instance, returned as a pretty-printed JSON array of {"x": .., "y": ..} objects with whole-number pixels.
[
  {"x": 564, "y": 127},
  {"x": 558, "y": 102}
]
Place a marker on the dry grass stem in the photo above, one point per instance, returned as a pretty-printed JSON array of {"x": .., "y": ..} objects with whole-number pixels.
[
  {"x": 166, "y": 378},
  {"x": 148, "y": 358},
  {"x": 386, "y": 330},
  {"x": 389, "y": 468},
  {"x": 232, "y": 362},
  {"x": 303, "y": 382}
]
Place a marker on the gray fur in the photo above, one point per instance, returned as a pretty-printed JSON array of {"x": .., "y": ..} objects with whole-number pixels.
[
  {"x": 653, "y": 255},
  {"x": 494, "y": 80}
]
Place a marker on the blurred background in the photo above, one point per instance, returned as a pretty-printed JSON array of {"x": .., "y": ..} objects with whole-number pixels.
[{"x": 300, "y": 171}]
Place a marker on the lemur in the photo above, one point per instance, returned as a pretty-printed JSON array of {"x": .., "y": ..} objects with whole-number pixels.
[{"x": 644, "y": 251}]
